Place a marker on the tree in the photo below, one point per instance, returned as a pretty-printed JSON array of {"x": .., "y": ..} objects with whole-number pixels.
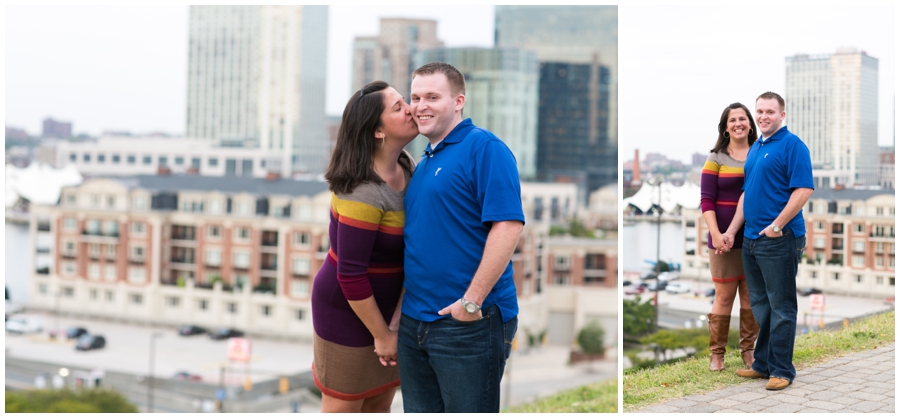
[
  {"x": 637, "y": 316},
  {"x": 67, "y": 400},
  {"x": 590, "y": 339}
]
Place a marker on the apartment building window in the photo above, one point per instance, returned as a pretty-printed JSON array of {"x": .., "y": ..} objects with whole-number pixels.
[
  {"x": 70, "y": 200},
  {"x": 116, "y": 159},
  {"x": 859, "y": 278},
  {"x": 138, "y": 229},
  {"x": 304, "y": 212},
  {"x": 836, "y": 276},
  {"x": 94, "y": 271},
  {"x": 879, "y": 211},
  {"x": 94, "y": 251},
  {"x": 265, "y": 310},
  {"x": 70, "y": 224},
  {"x": 879, "y": 262},
  {"x": 300, "y": 265},
  {"x": 86, "y": 157},
  {"x": 73, "y": 157},
  {"x": 243, "y": 208},
  {"x": 215, "y": 206},
  {"x": 301, "y": 239},
  {"x": 68, "y": 292},
  {"x": 561, "y": 279},
  {"x": 879, "y": 280},
  {"x": 173, "y": 301},
  {"x": 300, "y": 288},
  {"x": 891, "y": 281},
  {"x": 130, "y": 159},
  {"x": 111, "y": 250},
  {"x": 179, "y": 160},
  {"x": 213, "y": 162},
  {"x": 111, "y": 228},
  {"x": 148, "y": 159},
  {"x": 819, "y": 226},
  {"x": 163, "y": 161},
  {"x": 859, "y": 245},
  {"x": 561, "y": 262},
  {"x": 136, "y": 298},
  {"x": 241, "y": 259},
  {"x": 137, "y": 252},
  {"x": 858, "y": 261},
  {"x": 110, "y": 202},
  {"x": 299, "y": 314},
  {"x": 111, "y": 273},
  {"x": 139, "y": 203},
  {"x": 231, "y": 307},
  {"x": 42, "y": 288},
  {"x": 69, "y": 268},
  {"x": 819, "y": 242},
  {"x": 213, "y": 232},
  {"x": 110, "y": 296},
  {"x": 95, "y": 201},
  {"x": 68, "y": 248},
  {"x": 93, "y": 294},
  {"x": 213, "y": 257},
  {"x": 241, "y": 234},
  {"x": 879, "y": 248},
  {"x": 812, "y": 274},
  {"x": 195, "y": 162},
  {"x": 859, "y": 229},
  {"x": 136, "y": 274},
  {"x": 202, "y": 304}
]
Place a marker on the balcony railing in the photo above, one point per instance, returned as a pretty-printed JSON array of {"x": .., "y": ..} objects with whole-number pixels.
[
  {"x": 43, "y": 226},
  {"x": 43, "y": 270},
  {"x": 187, "y": 260}
]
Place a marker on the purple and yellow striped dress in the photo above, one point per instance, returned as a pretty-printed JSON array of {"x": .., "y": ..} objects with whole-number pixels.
[
  {"x": 365, "y": 259},
  {"x": 720, "y": 189}
]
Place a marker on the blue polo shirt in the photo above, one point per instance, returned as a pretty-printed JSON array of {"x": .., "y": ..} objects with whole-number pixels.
[
  {"x": 459, "y": 189},
  {"x": 774, "y": 168}
]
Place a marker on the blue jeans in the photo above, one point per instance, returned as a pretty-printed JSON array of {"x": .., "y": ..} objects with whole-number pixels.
[
  {"x": 454, "y": 366},
  {"x": 770, "y": 266}
]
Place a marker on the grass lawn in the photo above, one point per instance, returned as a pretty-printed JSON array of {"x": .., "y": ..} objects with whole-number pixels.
[
  {"x": 598, "y": 397},
  {"x": 650, "y": 386}
]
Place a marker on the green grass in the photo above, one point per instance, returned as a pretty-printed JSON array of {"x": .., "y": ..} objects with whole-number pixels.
[
  {"x": 650, "y": 386},
  {"x": 597, "y": 397},
  {"x": 68, "y": 400}
]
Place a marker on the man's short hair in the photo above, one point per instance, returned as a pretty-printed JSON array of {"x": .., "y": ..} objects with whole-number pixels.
[
  {"x": 770, "y": 95},
  {"x": 454, "y": 77}
]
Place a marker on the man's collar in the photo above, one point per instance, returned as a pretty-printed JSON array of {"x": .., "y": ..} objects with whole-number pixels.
[
  {"x": 454, "y": 136},
  {"x": 776, "y": 136}
]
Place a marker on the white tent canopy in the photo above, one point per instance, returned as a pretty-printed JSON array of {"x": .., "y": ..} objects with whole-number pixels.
[{"x": 673, "y": 197}]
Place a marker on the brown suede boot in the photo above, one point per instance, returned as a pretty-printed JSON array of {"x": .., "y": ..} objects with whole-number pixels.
[
  {"x": 749, "y": 332},
  {"x": 718, "y": 338}
]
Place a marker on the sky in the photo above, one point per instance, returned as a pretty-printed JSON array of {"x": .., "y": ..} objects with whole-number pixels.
[
  {"x": 125, "y": 67},
  {"x": 675, "y": 77}
]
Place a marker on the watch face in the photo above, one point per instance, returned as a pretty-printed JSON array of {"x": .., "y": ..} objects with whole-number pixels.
[{"x": 471, "y": 307}]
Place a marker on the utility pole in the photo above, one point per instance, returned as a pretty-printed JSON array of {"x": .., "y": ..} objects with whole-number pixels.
[{"x": 659, "y": 182}]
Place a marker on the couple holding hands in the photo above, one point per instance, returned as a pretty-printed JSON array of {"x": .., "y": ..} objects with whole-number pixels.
[{"x": 753, "y": 188}]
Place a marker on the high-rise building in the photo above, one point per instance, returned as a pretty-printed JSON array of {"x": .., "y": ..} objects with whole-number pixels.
[
  {"x": 390, "y": 56},
  {"x": 501, "y": 96},
  {"x": 832, "y": 105},
  {"x": 56, "y": 129},
  {"x": 256, "y": 77},
  {"x": 577, "y": 47}
]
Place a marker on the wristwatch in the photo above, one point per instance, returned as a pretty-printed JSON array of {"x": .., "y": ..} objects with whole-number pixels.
[
  {"x": 776, "y": 229},
  {"x": 470, "y": 307}
]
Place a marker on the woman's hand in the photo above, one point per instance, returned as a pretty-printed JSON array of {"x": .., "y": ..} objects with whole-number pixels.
[
  {"x": 386, "y": 349},
  {"x": 720, "y": 243}
]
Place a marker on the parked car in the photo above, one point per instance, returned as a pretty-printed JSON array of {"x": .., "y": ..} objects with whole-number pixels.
[
  {"x": 183, "y": 375},
  {"x": 75, "y": 332},
  {"x": 809, "y": 291},
  {"x": 661, "y": 284},
  {"x": 225, "y": 333},
  {"x": 678, "y": 287},
  {"x": 24, "y": 324},
  {"x": 191, "y": 330},
  {"x": 633, "y": 290},
  {"x": 90, "y": 342},
  {"x": 626, "y": 283},
  {"x": 710, "y": 292},
  {"x": 668, "y": 276}
]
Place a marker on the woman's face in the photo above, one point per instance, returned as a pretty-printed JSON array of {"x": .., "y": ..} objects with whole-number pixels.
[
  {"x": 738, "y": 125},
  {"x": 397, "y": 123}
]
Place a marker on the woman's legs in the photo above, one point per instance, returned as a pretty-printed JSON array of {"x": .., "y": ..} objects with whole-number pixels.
[
  {"x": 377, "y": 403},
  {"x": 749, "y": 328},
  {"x": 719, "y": 320}
]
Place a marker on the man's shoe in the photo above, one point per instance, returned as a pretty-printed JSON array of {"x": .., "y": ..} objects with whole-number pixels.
[
  {"x": 750, "y": 373},
  {"x": 777, "y": 383}
]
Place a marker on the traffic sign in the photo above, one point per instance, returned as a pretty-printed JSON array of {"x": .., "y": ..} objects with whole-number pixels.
[
  {"x": 239, "y": 349},
  {"x": 817, "y": 301}
]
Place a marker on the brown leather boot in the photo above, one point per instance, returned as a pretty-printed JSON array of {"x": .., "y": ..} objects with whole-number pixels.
[
  {"x": 749, "y": 332},
  {"x": 718, "y": 338}
]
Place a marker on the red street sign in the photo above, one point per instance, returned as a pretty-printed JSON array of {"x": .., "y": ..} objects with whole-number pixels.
[
  {"x": 817, "y": 302},
  {"x": 239, "y": 349}
]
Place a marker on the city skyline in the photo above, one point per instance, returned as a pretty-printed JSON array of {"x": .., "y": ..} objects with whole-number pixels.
[
  {"x": 116, "y": 91},
  {"x": 675, "y": 79}
]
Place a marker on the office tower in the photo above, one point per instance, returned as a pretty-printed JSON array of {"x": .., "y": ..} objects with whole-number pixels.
[
  {"x": 501, "y": 96},
  {"x": 256, "y": 78},
  {"x": 56, "y": 129},
  {"x": 390, "y": 56},
  {"x": 832, "y": 105},
  {"x": 577, "y": 47}
]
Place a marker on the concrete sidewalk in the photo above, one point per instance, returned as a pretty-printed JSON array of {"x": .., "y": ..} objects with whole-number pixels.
[{"x": 861, "y": 382}]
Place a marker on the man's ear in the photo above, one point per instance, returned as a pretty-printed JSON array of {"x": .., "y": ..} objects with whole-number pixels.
[{"x": 460, "y": 102}]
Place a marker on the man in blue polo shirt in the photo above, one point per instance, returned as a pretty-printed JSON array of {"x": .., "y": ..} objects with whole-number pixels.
[
  {"x": 463, "y": 220},
  {"x": 777, "y": 183}
]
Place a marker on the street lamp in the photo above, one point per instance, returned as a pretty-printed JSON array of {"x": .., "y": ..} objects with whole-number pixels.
[
  {"x": 153, "y": 338},
  {"x": 659, "y": 182}
]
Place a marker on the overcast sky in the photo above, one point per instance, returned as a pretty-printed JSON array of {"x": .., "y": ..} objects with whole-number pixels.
[
  {"x": 125, "y": 67},
  {"x": 679, "y": 67}
]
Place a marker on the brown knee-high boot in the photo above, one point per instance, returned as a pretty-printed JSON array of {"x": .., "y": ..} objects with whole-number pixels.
[
  {"x": 749, "y": 332},
  {"x": 718, "y": 338}
]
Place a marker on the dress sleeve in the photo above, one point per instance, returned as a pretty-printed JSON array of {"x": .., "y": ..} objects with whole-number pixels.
[
  {"x": 709, "y": 184},
  {"x": 358, "y": 219}
]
